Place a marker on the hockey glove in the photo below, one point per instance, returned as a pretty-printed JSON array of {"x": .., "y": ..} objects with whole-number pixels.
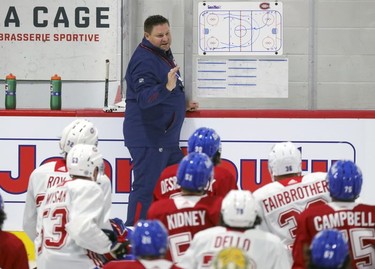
[{"x": 120, "y": 249}]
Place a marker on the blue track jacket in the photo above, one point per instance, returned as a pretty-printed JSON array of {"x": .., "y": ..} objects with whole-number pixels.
[{"x": 153, "y": 115}]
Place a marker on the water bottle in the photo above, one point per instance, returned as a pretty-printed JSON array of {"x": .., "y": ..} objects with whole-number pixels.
[
  {"x": 55, "y": 101},
  {"x": 10, "y": 91}
]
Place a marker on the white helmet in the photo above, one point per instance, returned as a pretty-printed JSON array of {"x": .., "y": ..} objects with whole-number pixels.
[
  {"x": 284, "y": 159},
  {"x": 238, "y": 209},
  {"x": 82, "y": 160},
  {"x": 80, "y": 131}
]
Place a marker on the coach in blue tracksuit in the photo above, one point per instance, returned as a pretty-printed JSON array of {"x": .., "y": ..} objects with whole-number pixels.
[{"x": 155, "y": 111}]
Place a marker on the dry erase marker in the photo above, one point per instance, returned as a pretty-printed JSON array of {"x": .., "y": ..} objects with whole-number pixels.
[{"x": 179, "y": 78}]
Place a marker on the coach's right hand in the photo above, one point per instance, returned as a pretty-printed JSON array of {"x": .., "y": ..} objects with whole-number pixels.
[{"x": 172, "y": 79}]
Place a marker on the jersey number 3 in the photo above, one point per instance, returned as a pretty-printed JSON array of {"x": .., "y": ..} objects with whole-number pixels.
[{"x": 57, "y": 219}]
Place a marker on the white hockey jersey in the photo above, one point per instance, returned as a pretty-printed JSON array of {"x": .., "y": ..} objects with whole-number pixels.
[
  {"x": 47, "y": 176},
  {"x": 264, "y": 249},
  {"x": 281, "y": 202},
  {"x": 69, "y": 221}
]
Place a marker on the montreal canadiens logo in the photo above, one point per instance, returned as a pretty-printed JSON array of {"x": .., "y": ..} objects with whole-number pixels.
[{"x": 264, "y": 5}]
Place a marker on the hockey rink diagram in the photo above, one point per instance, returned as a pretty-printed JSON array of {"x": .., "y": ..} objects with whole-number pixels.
[{"x": 240, "y": 31}]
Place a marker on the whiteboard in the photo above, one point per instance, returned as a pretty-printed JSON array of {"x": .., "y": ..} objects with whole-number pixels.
[
  {"x": 240, "y": 77},
  {"x": 240, "y": 28}
]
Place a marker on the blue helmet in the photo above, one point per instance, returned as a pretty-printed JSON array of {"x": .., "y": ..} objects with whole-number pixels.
[
  {"x": 344, "y": 180},
  {"x": 329, "y": 249},
  {"x": 204, "y": 140},
  {"x": 149, "y": 238},
  {"x": 194, "y": 172}
]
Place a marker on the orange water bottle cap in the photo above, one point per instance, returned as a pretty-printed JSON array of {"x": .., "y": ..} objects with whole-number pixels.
[
  {"x": 10, "y": 76},
  {"x": 56, "y": 77}
]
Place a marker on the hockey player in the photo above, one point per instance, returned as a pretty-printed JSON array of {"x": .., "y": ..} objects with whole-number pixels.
[
  {"x": 207, "y": 141},
  {"x": 192, "y": 210},
  {"x": 149, "y": 246},
  {"x": 71, "y": 214},
  {"x": 355, "y": 220},
  {"x": 238, "y": 220},
  {"x": 282, "y": 201},
  {"x": 328, "y": 250},
  {"x": 13, "y": 254},
  {"x": 48, "y": 175}
]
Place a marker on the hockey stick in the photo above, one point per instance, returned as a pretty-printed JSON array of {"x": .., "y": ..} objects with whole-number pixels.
[{"x": 106, "y": 83}]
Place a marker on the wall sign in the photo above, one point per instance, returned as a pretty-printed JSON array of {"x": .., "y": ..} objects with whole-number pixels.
[{"x": 70, "y": 38}]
